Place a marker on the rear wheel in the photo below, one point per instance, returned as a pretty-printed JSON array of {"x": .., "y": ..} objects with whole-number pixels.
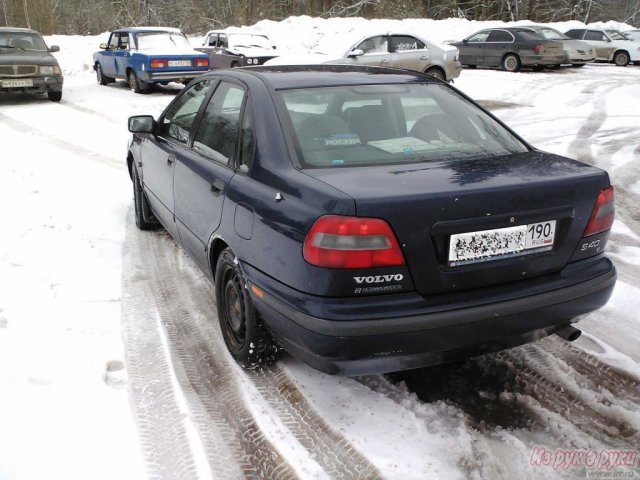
[
  {"x": 621, "y": 58},
  {"x": 234, "y": 65},
  {"x": 436, "y": 73},
  {"x": 243, "y": 330},
  {"x": 511, "y": 62},
  {"x": 135, "y": 84},
  {"x": 55, "y": 96}
]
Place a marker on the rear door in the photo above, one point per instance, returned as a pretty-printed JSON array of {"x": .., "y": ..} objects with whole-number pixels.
[
  {"x": 160, "y": 152},
  {"x": 204, "y": 171},
  {"x": 497, "y": 44},
  {"x": 408, "y": 52}
]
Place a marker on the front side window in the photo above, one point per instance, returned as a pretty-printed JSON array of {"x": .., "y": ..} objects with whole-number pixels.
[
  {"x": 223, "y": 42},
  {"x": 401, "y": 43},
  {"x": 391, "y": 124},
  {"x": 114, "y": 40},
  {"x": 22, "y": 41},
  {"x": 374, "y": 45},
  {"x": 479, "y": 37},
  {"x": 213, "y": 40},
  {"x": 178, "y": 120},
  {"x": 217, "y": 134}
]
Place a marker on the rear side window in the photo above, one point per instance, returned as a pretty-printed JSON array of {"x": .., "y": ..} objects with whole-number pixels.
[
  {"x": 223, "y": 42},
  {"x": 374, "y": 45},
  {"x": 391, "y": 124},
  {"x": 178, "y": 120},
  {"x": 247, "y": 138},
  {"x": 402, "y": 43},
  {"x": 528, "y": 35},
  {"x": 217, "y": 134},
  {"x": 595, "y": 36},
  {"x": 499, "y": 36},
  {"x": 575, "y": 34}
]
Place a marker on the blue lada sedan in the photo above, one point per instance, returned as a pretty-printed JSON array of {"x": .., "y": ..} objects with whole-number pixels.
[
  {"x": 144, "y": 56},
  {"x": 368, "y": 219}
]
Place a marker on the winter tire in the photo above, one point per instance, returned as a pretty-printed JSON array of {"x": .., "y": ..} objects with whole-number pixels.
[
  {"x": 436, "y": 73},
  {"x": 101, "y": 77},
  {"x": 244, "y": 332},
  {"x": 145, "y": 220},
  {"x": 511, "y": 62},
  {"x": 621, "y": 59},
  {"x": 54, "y": 96},
  {"x": 135, "y": 84}
]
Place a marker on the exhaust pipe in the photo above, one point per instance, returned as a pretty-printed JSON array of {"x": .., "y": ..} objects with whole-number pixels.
[{"x": 569, "y": 333}]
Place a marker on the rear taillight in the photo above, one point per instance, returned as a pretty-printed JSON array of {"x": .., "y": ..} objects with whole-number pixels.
[
  {"x": 336, "y": 241},
  {"x": 603, "y": 213},
  {"x": 159, "y": 63},
  {"x": 537, "y": 49},
  {"x": 202, "y": 62}
]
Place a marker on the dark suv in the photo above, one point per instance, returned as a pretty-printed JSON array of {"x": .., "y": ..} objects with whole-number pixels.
[{"x": 26, "y": 64}]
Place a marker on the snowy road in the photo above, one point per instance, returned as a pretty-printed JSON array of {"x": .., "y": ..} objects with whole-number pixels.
[{"x": 85, "y": 294}]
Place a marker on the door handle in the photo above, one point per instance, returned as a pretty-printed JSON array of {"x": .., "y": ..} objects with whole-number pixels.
[
  {"x": 217, "y": 187},
  {"x": 384, "y": 61},
  {"x": 424, "y": 57},
  {"x": 171, "y": 159}
]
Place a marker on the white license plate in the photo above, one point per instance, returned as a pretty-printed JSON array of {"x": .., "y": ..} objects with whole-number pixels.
[
  {"x": 179, "y": 63},
  {"x": 17, "y": 83},
  {"x": 485, "y": 245}
]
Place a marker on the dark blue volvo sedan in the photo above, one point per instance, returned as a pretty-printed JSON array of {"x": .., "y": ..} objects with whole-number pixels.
[{"x": 370, "y": 220}]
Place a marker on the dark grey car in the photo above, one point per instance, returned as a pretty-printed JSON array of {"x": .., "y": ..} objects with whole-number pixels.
[
  {"x": 26, "y": 64},
  {"x": 509, "y": 48}
]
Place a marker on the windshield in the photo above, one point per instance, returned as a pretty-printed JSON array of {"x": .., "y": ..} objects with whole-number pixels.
[
  {"x": 249, "y": 40},
  {"x": 22, "y": 41},
  {"x": 551, "y": 34},
  {"x": 615, "y": 35},
  {"x": 391, "y": 124},
  {"x": 153, "y": 40}
]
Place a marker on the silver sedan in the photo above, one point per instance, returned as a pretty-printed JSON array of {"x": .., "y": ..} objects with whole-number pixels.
[{"x": 576, "y": 53}]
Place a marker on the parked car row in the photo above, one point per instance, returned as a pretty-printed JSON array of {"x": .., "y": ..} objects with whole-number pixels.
[{"x": 512, "y": 48}]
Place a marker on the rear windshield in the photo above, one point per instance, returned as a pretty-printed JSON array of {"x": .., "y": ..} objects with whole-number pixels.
[
  {"x": 551, "y": 34},
  {"x": 391, "y": 124},
  {"x": 153, "y": 40}
]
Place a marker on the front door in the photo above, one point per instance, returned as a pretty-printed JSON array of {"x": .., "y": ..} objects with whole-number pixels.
[
  {"x": 471, "y": 49},
  {"x": 376, "y": 52},
  {"x": 160, "y": 152},
  {"x": 122, "y": 56},
  {"x": 107, "y": 57},
  {"x": 204, "y": 171}
]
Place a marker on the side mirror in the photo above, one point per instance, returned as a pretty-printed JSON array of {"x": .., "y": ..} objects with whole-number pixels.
[
  {"x": 142, "y": 124},
  {"x": 608, "y": 40},
  {"x": 356, "y": 52},
  {"x": 466, "y": 40},
  {"x": 54, "y": 48},
  {"x": 274, "y": 47},
  {"x": 104, "y": 46}
]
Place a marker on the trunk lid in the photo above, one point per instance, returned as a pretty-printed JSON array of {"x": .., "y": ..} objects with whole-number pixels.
[{"x": 427, "y": 203}]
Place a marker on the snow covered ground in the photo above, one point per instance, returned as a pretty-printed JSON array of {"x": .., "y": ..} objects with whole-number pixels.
[{"x": 112, "y": 365}]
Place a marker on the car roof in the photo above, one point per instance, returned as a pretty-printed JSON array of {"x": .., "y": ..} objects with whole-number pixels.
[
  {"x": 18, "y": 29},
  {"x": 147, "y": 29},
  {"x": 309, "y": 76}
]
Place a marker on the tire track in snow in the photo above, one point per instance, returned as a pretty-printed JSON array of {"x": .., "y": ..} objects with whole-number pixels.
[
  {"x": 158, "y": 413},
  {"x": 203, "y": 354},
  {"x": 207, "y": 375},
  {"x": 332, "y": 451},
  {"x": 23, "y": 128}
]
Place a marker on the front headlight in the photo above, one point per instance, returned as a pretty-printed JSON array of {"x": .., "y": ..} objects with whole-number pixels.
[{"x": 49, "y": 70}]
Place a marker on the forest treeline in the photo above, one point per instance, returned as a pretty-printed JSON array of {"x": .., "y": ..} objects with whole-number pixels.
[{"x": 196, "y": 16}]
